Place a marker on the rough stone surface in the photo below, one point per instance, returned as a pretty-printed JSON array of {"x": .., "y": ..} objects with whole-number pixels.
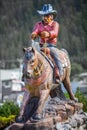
[
  {"x": 15, "y": 126},
  {"x": 59, "y": 113},
  {"x": 57, "y": 116},
  {"x": 45, "y": 124}
]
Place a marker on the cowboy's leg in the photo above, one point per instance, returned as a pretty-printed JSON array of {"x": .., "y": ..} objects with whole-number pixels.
[{"x": 54, "y": 54}]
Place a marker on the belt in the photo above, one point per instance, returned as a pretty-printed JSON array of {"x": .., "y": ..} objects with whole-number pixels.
[{"x": 47, "y": 45}]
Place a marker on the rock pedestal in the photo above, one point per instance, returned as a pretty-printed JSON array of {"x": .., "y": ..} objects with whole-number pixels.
[
  {"x": 55, "y": 111},
  {"x": 45, "y": 124},
  {"x": 59, "y": 114}
]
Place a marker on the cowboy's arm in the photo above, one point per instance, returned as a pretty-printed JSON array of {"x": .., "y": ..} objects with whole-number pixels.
[
  {"x": 54, "y": 31},
  {"x": 35, "y": 32}
]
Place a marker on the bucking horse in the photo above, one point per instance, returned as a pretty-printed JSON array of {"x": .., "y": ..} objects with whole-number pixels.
[{"x": 39, "y": 75}]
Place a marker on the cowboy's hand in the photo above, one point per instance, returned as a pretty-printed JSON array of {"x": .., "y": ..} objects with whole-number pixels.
[
  {"x": 45, "y": 34},
  {"x": 33, "y": 36}
]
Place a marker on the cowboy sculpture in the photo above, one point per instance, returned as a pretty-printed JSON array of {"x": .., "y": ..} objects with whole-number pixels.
[{"x": 48, "y": 30}]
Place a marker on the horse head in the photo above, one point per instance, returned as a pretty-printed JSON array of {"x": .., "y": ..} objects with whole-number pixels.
[{"x": 30, "y": 61}]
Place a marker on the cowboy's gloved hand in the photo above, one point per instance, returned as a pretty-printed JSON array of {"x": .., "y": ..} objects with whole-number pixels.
[
  {"x": 45, "y": 34},
  {"x": 33, "y": 36}
]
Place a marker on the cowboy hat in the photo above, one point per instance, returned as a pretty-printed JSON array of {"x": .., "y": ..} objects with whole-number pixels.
[{"x": 47, "y": 9}]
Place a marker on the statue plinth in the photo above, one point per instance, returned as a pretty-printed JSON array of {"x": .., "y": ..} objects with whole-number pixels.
[{"x": 55, "y": 111}]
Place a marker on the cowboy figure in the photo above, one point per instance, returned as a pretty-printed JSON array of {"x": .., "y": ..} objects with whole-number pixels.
[{"x": 47, "y": 30}]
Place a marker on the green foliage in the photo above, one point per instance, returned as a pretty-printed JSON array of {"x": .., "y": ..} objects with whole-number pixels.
[
  {"x": 82, "y": 99},
  {"x": 9, "y": 108},
  {"x": 5, "y": 121},
  {"x": 66, "y": 95},
  {"x": 8, "y": 112}
]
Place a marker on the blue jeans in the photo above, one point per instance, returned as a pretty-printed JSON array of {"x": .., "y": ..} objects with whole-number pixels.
[{"x": 54, "y": 54}]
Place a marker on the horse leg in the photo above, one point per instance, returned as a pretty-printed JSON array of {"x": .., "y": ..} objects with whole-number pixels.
[
  {"x": 68, "y": 87},
  {"x": 43, "y": 97},
  {"x": 26, "y": 97}
]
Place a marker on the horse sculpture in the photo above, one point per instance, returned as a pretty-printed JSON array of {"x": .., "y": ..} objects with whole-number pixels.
[{"x": 38, "y": 76}]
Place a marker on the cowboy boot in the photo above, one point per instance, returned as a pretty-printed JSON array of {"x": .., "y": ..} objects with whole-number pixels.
[{"x": 56, "y": 75}]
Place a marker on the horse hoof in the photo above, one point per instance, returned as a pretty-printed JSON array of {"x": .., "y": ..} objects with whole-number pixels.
[
  {"x": 19, "y": 119},
  {"x": 76, "y": 99},
  {"x": 36, "y": 117}
]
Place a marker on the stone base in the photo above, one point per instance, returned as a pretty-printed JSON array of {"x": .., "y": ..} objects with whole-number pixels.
[
  {"x": 59, "y": 114},
  {"x": 15, "y": 126},
  {"x": 78, "y": 121},
  {"x": 45, "y": 124},
  {"x": 55, "y": 112}
]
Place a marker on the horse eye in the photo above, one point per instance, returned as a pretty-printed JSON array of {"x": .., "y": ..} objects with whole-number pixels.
[{"x": 32, "y": 61}]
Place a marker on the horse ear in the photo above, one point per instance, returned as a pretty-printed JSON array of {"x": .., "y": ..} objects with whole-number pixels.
[
  {"x": 33, "y": 49},
  {"x": 24, "y": 49}
]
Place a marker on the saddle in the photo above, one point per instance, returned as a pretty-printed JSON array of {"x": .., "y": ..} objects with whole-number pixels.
[
  {"x": 62, "y": 56},
  {"x": 46, "y": 53}
]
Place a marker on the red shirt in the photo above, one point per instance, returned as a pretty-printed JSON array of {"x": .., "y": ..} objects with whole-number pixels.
[{"x": 52, "y": 28}]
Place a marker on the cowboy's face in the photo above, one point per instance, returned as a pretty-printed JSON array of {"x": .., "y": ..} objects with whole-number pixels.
[{"x": 47, "y": 18}]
